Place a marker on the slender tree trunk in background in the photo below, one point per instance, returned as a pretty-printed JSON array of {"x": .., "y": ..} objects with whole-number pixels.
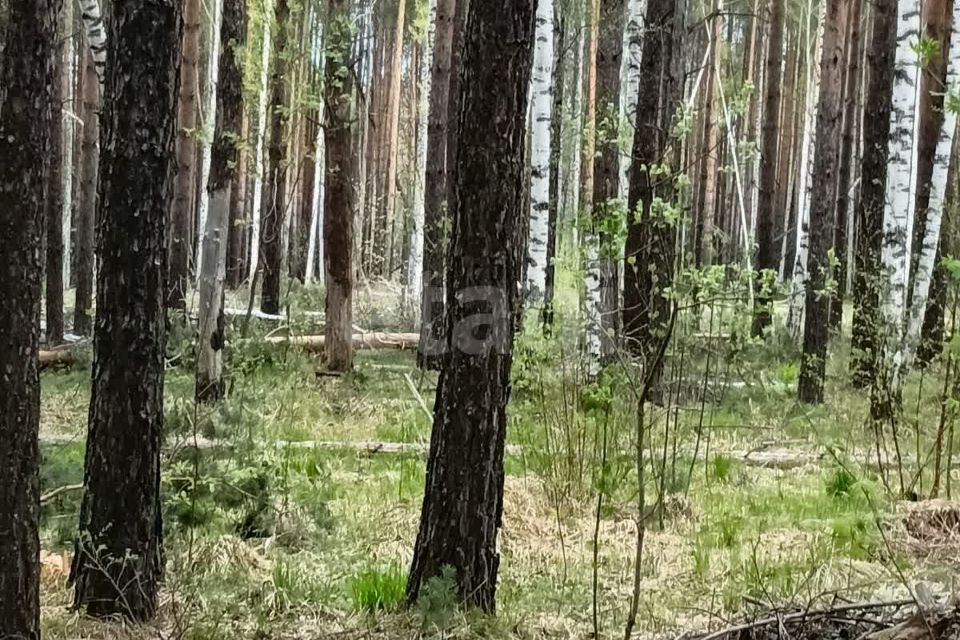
[
  {"x": 606, "y": 177},
  {"x": 414, "y": 290},
  {"x": 705, "y": 241},
  {"x": 936, "y": 142},
  {"x": 224, "y": 177},
  {"x": 556, "y": 129},
  {"x": 180, "y": 243},
  {"x": 54, "y": 200},
  {"x": 541, "y": 95},
  {"x": 632, "y": 50},
  {"x": 256, "y": 206},
  {"x": 845, "y": 180},
  {"x": 436, "y": 189},
  {"x": 118, "y": 560},
  {"x": 374, "y": 144},
  {"x": 788, "y": 157},
  {"x": 873, "y": 180},
  {"x": 393, "y": 149},
  {"x": 816, "y": 328},
  {"x": 809, "y": 142},
  {"x": 462, "y": 512},
  {"x": 589, "y": 240},
  {"x": 650, "y": 236},
  {"x": 83, "y": 308},
  {"x": 792, "y": 204},
  {"x": 236, "y": 259},
  {"x": 767, "y": 253},
  {"x": 340, "y": 195},
  {"x": 900, "y": 202},
  {"x": 275, "y": 213},
  {"x": 96, "y": 34},
  {"x": 68, "y": 80},
  {"x": 27, "y": 109},
  {"x": 208, "y": 119}
]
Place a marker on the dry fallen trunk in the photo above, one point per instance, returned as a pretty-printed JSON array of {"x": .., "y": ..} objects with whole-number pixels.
[{"x": 311, "y": 344}]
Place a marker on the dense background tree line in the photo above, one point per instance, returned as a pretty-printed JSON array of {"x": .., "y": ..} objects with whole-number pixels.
[{"x": 160, "y": 159}]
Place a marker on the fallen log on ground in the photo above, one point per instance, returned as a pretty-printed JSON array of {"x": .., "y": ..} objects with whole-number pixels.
[{"x": 311, "y": 344}]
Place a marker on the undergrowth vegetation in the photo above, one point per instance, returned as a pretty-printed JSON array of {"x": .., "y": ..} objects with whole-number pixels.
[{"x": 283, "y": 521}]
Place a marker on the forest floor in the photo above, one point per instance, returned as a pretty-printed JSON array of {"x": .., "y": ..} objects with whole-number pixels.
[{"x": 279, "y": 525}]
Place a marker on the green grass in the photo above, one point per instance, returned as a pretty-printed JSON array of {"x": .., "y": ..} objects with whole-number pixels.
[{"x": 379, "y": 589}]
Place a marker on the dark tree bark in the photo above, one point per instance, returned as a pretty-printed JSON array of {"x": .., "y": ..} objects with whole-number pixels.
[
  {"x": 463, "y": 500},
  {"x": 26, "y": 110},
  {"x": 556, "y": 125},
  {"x": 224, "y": 159},
  {"x": 340, "y": 197},
  {"x": 873, "y": 187},
  {"x": 83, "y": 309},
  {"x": 180, "y": 236},
  {"x": 54, "y": 231},
  {"x": 848, "y": 143},
  {"x": 274, "y": 213},
  {"x": 768, "y": 247},
  {"x": 606, "y": 164},
  {"x": 816, "y": 328},
  {"x": 648, "y": 268},
  {"x": 119, "y": 551},
  {"x": 436, "y": 189}
]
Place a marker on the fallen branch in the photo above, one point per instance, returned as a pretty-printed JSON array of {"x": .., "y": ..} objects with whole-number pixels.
[
  {"x": 373, "y": 340},
  {"x": 50, "y": 495},
  {"x": 59, "y": 358}
]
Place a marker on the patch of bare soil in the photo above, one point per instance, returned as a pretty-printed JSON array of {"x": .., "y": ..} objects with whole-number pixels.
[{"x": 871, "y": 621}]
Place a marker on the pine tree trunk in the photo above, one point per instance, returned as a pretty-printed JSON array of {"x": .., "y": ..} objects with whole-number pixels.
[
  {"x": 873, "y": 180},
  {"x": 767, "y": 253},
  {"x": 648, "y": 266},
  {"x": 790, "y": 125},
  {"x": 180, "y": 241},
  {"x": 275, "y": 213},
  {"x": 393, "y": 149},
  {"x": 224, "y": 177},
  {"x": 342, "y": 173},
  {"x": 704, "y": 242},
  {"x": 436, "y": 189},
  {"x": 54, "y": 198},
  {"x": 602, "y": 273},
  {"x": 83, "y": 309},
  {"x": 845, "y": 180},
  {"x": 541, "y": 92},
  {"x": 462, "y": 512},
  {"x": 119, "y": 553},
  {"x": 823, "y": 192},
  {"x": 256, "y": 206},
  {"x": 27, "y": 109}
]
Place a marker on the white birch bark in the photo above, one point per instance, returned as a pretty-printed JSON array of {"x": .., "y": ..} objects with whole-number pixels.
[
  {"x": 541, "y": 108},
  {"x": 901, "y": 182},
  {"x": 96, "y": 35},
  {"x": 808, "y": 144},
  {"x": 261, "y": 135},
  {"x": 208, "y": 119},
  {"x": 938, "y": 189},
  {"x": 69, "y": 130},
  {"x": 315, "y": 241},
  {"x": 633, "y": 50},
  {"x": 415, "y": 257}
]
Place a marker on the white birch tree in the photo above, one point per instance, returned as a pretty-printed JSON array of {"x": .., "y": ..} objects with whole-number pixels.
[
  {"x": 415, "y": 258},
  {"x": 938, "y": 188},
  {"x": 900, "y": 206},
  {"x": 262, "y": 124},
  {"x": 632, "y": 50},
  {"x": 69, "y": 130},
  {"x": 541, "y": 105},
  {"x": 208, "y": 118},
  {"x": 96, "y": 35}
]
